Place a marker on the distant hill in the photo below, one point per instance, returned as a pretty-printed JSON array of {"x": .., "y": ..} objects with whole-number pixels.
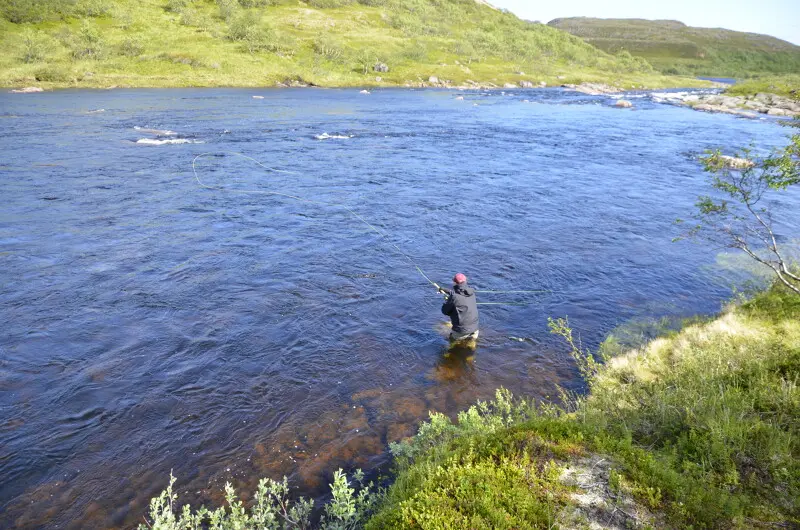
[
  {"x": 675, "y": 48},
  {"x": 263, "y": 42}
]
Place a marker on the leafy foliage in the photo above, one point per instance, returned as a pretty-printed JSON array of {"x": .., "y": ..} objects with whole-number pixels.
[
  {"x": 739, "y": 217},
  {"x": 272, "y": 509}
]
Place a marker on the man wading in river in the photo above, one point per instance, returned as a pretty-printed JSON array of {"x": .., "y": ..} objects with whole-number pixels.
[{"x": 461, "y": 306}]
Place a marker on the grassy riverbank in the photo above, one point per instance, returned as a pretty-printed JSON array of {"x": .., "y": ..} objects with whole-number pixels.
[
  {"x": 699, "y": 429},
  {"x": 181, "y": 43},
  {"x": 786, "y": 85}
]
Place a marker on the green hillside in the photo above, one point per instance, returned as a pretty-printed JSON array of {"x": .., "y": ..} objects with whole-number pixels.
[
  {"x": 54, "y": 43},
  {"x": 675, "y": 48}
]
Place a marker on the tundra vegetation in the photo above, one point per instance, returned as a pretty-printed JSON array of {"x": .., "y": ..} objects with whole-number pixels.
[
  {"x": 101, "y": 43},
  {"x": 677, "y": 49}
]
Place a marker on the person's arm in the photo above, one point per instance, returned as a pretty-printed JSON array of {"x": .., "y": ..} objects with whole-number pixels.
[{"x": 449, "y": 306}]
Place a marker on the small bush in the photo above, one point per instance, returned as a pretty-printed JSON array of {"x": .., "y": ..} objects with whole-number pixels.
[
  {"x": 175, "y": 6},
  {"x": 326, "y": 4},
  {"x": 329, "y": 48},
  {"x": 272, "y": 508},
  {"x": 182, "y": 58},
  {"x": 192, "y": 17},
  {"x": 53, "y": 74},
  {"x": 35, "y": 47},
  {"x": 132, "y": 47},
  {"x": 227, "y": 9},
  {"x": 94, "y": 8},
  {"x": 88, "y": 44}
]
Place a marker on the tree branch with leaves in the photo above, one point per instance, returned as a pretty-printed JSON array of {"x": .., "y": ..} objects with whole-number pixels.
[{"x": 739, "y": 215}]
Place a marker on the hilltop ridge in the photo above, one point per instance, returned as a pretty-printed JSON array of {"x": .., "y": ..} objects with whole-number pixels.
[{"x": 672, "y": 47}]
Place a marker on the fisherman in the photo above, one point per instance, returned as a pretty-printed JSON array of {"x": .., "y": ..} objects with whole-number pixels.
[{"x": 461, "y": 306}]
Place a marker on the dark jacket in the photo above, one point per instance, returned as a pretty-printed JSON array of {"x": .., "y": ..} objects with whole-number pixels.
[{"x": 461, "y": 306}]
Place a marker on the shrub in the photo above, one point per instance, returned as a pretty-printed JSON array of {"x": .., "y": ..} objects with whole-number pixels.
[
  {"x": 227, "y": 9},
  {"x": 194, "y": 18},
  {"x": 131, "y": 47},
  {"x": 272, "y": 508},
  {"x": 53, "y": 74},
  {"x": 35, "y": 46},
  {"x": 93, "y": 8},
  {"x": 329, "y": 48},
  {"x": 182, "y": 58},
  {"x": 88, "y": 44}
]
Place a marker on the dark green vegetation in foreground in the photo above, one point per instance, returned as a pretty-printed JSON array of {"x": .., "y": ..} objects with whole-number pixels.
[
  {"x": 674, "y": 48},
  {"x": 701, "y": 428},
  {"x": 160, "y": 43}
]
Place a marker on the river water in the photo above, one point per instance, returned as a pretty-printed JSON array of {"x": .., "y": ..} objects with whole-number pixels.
[{"x": 151, "y": 324}]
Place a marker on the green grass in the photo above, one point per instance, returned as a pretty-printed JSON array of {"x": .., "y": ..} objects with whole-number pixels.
[
  {"x": 161, "y": 43},
  {"x": 674, "y": 48},
  {"x": 703, "y": 427},
  {"x": 787, "y": 85}
]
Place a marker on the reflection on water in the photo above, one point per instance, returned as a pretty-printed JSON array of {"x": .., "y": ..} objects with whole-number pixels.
[{"x": 151, "y": 325}]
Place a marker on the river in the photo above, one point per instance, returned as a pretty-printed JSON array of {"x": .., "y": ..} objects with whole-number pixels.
[{"x": 151, "y": 324}]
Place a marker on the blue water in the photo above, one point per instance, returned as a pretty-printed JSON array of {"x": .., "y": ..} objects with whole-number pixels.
[
  {"x": 153, "y": 325},
  {"x": 726, "y": 80}
]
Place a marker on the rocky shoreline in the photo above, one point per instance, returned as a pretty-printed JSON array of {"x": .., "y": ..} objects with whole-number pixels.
[{"x": 754, "y": 106}]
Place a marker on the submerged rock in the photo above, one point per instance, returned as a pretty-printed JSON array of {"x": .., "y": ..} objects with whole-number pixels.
[
  {"x": 624, "y": 104},
  {"x": 735, "y": 162}
]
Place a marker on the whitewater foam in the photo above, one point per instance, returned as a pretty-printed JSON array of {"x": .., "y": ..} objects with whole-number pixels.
[
  {"x": 165, "y": 141},
  {"x": 326, "y": 136}
]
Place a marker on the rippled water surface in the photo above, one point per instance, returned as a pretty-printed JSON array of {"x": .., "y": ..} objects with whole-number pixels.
[{"x": 150, "y": 324}]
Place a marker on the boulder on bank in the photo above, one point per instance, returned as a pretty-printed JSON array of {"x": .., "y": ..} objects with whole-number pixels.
[
  {"x": 525, "y": 84},
  {"x": 433, "y": 80},
  {"x": 27, "y": 90},
  {"x": 623, "y": 104}
]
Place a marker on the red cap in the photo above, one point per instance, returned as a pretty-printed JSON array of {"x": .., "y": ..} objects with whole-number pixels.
[{"x": 459, "y": 278}]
